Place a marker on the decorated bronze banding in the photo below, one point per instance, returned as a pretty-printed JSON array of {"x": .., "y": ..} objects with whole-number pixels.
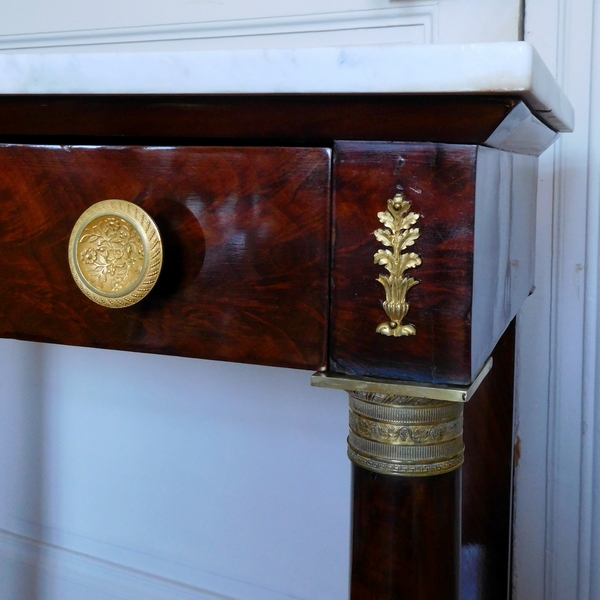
[
  {"x": 405, "y": 435},
  {"x": 115, "y": 253},
  {"x": 406, "y": 469}
]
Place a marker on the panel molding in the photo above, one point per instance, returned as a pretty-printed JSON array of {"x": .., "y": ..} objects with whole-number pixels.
[
  {"x": 557, "y": 392},
  {"x": 573, "y": 271},
  {"x": 410, "y": 24},
  {"x": 59, "y": 573}
]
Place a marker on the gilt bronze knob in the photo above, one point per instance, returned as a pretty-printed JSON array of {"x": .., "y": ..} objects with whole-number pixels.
[{"x": 115, "y": 253}]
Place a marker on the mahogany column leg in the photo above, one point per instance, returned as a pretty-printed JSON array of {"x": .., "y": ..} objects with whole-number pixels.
[
  {"x": 405, "y": 536},
  {"x": 407, "y": 452},
  {"x": 406, "y": 443}
]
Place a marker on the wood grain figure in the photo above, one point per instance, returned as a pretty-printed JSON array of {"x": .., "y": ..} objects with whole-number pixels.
[{"x": 246, "y": 235}]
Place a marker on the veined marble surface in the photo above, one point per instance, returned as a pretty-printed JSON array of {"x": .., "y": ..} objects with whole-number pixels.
[{"x": 509, "y": 68}]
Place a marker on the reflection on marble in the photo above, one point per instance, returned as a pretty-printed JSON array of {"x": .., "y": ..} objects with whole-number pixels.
[{"x": 510, "y": 68}]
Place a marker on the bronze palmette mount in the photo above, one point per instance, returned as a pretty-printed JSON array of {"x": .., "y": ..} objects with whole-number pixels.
[{"x": 398, "y": 235}]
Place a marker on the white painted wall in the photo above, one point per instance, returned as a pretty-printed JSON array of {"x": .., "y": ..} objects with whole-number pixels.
[
  {"x": 187, "y": 24},
  {"x": 556, "y": 510},
  {"x": 231, "y": 480}
]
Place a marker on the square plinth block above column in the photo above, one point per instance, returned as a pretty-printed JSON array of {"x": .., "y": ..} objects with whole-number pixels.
[{"x": 470, "y": 256}]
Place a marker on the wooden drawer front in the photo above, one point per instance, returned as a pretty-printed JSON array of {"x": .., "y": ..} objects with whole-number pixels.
[
  {"x": 439, "y": 182},
  {"x": 246, "y": 239}
]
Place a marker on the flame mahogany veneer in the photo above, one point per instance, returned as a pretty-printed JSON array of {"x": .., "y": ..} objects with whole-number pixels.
[
  {"x": 246, "y": 232},
  {"x": 476, "y": 234}
]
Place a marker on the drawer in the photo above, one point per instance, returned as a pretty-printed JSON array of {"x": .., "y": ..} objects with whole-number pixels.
[{"x": 246, "y": 243}]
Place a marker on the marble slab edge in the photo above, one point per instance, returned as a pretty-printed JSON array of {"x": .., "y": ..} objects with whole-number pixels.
[{"x": 505, "y": 68}]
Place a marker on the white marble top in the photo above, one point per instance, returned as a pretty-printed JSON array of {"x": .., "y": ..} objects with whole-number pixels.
[{"x": 511, "y": 68}]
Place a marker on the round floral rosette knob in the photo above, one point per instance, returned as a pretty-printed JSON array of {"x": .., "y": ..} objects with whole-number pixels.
[{"x": 115, "y": 253}]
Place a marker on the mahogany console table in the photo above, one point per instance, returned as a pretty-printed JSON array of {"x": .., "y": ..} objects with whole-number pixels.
[{"x": 366, "y": 213}]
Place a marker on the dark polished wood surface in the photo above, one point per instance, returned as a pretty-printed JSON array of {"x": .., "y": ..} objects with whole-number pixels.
[
  {"x": 405, "y": 537},
  {"x": 275, "y": 118},
  {"x": 487, "y": 480},
  {"x": 439, "y": 181},
  {"x": 246, "y": 235}
]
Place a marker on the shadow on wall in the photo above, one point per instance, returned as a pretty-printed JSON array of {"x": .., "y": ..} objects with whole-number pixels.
[{"x": 22, "y": 442}]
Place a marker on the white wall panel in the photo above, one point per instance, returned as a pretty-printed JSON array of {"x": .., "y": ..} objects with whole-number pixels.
[
  {"x": 556, "y": 552},
  {"x": 231, "y": 479},
  {"x": 180, "y": 24}
]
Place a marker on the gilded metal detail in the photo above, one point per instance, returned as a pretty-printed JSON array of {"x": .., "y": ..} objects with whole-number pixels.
[
  {"x": 403, "y": 427},
  {"x": 392, "y": 433},
  {"x": 115, "y": 253},
  {"x": 398, "y": 235},
  {"x": 406, "y": 453},
  {"x": 402, "y": 409},
  {"x": 405, "y": 435},
  {"x": 405, "y": 469},
  {"x": 419, "y": 392}
]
